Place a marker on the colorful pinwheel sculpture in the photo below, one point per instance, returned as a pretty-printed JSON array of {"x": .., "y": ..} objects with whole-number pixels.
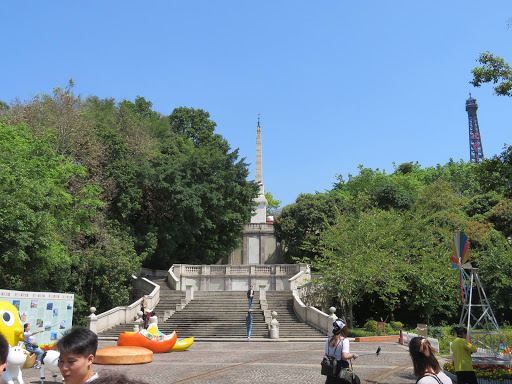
[{"x": 460, "y": 256}]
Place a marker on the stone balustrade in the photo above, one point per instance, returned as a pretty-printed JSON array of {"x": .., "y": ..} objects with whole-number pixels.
[
  {"x": 313, "y": 316},
  {"x": 233, "y": 277},
  {"x": 119, "y": 315}
]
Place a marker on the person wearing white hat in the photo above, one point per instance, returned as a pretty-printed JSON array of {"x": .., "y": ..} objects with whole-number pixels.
[{"x": 338, "y": 346}]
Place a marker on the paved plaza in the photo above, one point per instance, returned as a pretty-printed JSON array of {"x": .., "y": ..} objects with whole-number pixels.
[{"x": 259, "y": 362}]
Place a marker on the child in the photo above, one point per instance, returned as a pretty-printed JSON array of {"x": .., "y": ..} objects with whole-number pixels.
[
  {"x": 77, "y": 350},
  {"x": 31, "y": 345}
]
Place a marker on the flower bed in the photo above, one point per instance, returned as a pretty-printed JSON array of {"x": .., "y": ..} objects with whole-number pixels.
[{"x": 488, "y": 374}]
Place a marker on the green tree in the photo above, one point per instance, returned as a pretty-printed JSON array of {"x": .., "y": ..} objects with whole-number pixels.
[
  {"x": 199, "y": 196},
  {"x": 300, "y": 224},
  {"x": 494, "y": 70},
  {"x": 273, "y": 204}
]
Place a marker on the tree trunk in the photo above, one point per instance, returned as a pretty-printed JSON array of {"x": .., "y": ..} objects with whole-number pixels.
[{"x": 350, "y": 317}]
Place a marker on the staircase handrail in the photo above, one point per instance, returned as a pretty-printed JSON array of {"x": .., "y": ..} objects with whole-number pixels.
[
  {"x": 300, "y": 278},
  {"x": 124, "y": 314},
  {"x": 174, "y": 282},
  {"x": 310, "y": 315}
]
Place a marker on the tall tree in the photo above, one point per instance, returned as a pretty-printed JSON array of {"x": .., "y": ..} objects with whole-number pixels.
[{"x": 200, "y": 198}]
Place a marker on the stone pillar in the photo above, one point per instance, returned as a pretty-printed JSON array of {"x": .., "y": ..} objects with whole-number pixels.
[
  {"x": 189, "y": 293},
  {"x": 261, "y": 247},
  {"x": 332, "y": 317},
  {"x": 252, "y": 276},
  {"x": 274, "y": 326},
  {"x": 92, "y": 320}
]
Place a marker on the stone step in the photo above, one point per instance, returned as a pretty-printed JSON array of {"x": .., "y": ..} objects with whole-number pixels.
[{"x": 221, "y": 315}]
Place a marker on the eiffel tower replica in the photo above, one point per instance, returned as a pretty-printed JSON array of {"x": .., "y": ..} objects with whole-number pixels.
[
  {"x": 478, "y": 318},
  {"x": 476, "y": 150}
]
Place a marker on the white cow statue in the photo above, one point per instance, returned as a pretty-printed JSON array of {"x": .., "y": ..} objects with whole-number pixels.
[
  {"x": 50, "y": 362},
  {"x": 15, "y": 360}
]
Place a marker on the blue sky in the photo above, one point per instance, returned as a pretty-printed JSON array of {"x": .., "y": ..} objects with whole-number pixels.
[{"x": 337, "y": 83}]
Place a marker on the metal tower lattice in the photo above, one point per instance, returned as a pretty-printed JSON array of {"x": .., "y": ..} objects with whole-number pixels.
[
  {"x": 478, "y": 318},
  {"x": 476, "y": 151}
]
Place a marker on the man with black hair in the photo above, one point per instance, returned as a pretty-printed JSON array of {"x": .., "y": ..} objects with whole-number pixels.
[
  {"x": 4, "y": 351},
  {"x": 77, "y": 350},
  {"x": 250, "y": 296},
  {"x": 462, "y": 350}
]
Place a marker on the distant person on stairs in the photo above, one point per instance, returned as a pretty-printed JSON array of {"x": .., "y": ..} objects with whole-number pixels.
[
  {"x": 248, "y": 323},
  {"x": 250, "y": 296},
  {"x": 145, "y": 313}
]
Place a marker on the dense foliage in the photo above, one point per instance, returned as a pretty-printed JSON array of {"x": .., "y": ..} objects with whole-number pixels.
[
  {"x": 380, "y": 243},
  {"x": 494, "y": 70},
  {"x": 92, "y": 189}
]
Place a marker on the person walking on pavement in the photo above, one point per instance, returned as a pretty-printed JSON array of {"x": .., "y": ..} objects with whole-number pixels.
[
  {"x": 462, "y": 350},
  {"x": 250, "y": 296},
  {"x": 338, "y": 346},
  {"x": 248, "y": 323}
]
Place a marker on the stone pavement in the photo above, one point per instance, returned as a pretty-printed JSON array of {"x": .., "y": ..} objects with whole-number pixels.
[{"x": 259, "y": 362}]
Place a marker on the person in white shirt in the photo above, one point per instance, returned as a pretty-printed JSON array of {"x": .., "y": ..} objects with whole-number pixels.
[{"x": 338, "y": 347}]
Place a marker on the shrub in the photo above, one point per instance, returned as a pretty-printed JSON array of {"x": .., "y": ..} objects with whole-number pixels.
[
  {"x": 359, "y": 333},
  {"x": 389, "y": 329},
  {"x": 436, "y": 332},
  {"x": 396, "y": 325},
  {"x": 371, "y": 326}
]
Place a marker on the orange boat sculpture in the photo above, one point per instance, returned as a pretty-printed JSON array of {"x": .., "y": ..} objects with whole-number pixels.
[{"x": 139, "y": 340}]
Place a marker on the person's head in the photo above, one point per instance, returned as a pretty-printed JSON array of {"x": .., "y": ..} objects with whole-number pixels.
[
  {"x": 115, "y": 378},
  {"x": 423, "y": 356},
  {"x": 249, "y": 312},
  {"x": 251, "y": 287},
  {"x": 77, "y": 349},
  {"x": 26, "y": 327},
  {"x": 4, "y": 351},
  {"x": 461, "y": 332},
  {"x": 339, "y": 328}
]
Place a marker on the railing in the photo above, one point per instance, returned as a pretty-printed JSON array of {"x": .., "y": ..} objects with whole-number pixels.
[
  {"x": 174, "y": 282},
  {"x": 119, "y": 315},
  {"x": 192, "y": 269},
  {"x": 310, "y": 315},
  {"x": 234, "y": 277},
  {"x": 217, "y": 270},
  {"x": 263, "y": 269},
  {"x": 259, "y": 226},
  {"x": 300, "y": 278}
]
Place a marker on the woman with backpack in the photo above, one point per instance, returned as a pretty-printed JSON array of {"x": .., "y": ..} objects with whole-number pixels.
[
  {"x": 426, "y": 366},
  {"x": 338, "y": 347}
]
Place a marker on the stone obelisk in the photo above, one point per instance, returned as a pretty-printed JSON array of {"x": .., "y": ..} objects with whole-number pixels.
[{"x": 260, "y": 203}]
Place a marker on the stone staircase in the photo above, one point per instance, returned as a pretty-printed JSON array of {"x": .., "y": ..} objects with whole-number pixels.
[
  {"x": 290, "y": 327},
  {"x": 213, "y": 315},
  {"x": 168, "y": 300},
  {"x": 217, "y": 315}
]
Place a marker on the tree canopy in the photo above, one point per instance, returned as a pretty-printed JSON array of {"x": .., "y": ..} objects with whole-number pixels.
[
  {"x": 380, "y": 244},
  {"x": 494, "y": 70},
  {"x": 93, "y": 189}
]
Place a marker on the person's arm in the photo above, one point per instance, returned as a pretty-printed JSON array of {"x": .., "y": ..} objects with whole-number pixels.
[
  {"x": 347, "y": 355},
  {"x": 470, "y": 347}
]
